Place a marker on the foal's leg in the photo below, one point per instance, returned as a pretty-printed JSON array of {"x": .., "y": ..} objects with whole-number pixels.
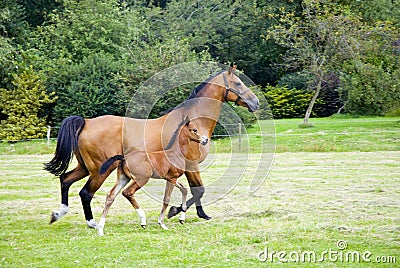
[
  {"x": 129, "y": 193},
  {"x": 169, "y": 186},
  {"x": 183, "y": 189},
  {"x": 122, "y": 180},
  {"x": 66, "y": 180}
]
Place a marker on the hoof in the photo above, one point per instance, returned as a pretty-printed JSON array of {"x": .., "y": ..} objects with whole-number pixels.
[
  {"x": 181, "y": 222},
  {"x": 57, "y": 214},
  {"x": 173, "y": 211},
  {"x": 143, "y": 226},
  {"x": 163, "y": 226},
  {"x": 202, "y": 214},
  {"x": 54, "y": 216},
  {"x": 206, "y": 217}
]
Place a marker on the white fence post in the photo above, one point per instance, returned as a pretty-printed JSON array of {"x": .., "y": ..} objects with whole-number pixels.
[
  {"x": 240, "y": 136},
  {"x": 48, "y": 134}
]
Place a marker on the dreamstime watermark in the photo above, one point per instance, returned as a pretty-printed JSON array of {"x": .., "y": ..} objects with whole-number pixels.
[{"x": 339, "y": 254}]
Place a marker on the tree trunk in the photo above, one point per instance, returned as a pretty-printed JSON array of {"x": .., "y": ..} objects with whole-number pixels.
[{"x": 314, "y": 98}]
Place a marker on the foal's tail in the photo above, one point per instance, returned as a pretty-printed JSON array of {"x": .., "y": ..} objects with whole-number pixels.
[
  {"x": 67, "y": 144},
  {"x": 106, "y": 165}
]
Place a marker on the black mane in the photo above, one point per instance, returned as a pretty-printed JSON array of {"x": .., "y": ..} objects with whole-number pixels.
[
  {"x": 194, "y": 93},
  {"x": 176, "y": 132}
]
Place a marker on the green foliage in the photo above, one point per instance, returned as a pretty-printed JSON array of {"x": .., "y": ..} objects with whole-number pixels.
[
  {"x": 12, "y": 20},
  {"x": 287, "y": 103},
  {"x": 89, "y": 88},
  {"x": 229, "y": 30},
  {"x": 87, "y": 27},
  {"x": 37, "y": 11},
  {"x": 23, "y": 105},
  {"x": 95, "y": 54},
  {"x": 377, "y": 10},
  {"x": 370, "y": 90},
  {"x": 95, "y": 63}
]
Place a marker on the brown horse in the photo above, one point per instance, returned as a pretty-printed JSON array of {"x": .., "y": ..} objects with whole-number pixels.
[
  {"x": 95, "y": 140},
  {"x": 140, "y": 166}
]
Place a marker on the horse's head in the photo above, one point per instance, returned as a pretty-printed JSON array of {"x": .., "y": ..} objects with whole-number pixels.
[
  {"x": 191, "y": 132},
  {"x": 236, "y": 91}
]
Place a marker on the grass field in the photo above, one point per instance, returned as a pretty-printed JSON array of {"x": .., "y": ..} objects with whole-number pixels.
[{"x": 322, "y": 203}]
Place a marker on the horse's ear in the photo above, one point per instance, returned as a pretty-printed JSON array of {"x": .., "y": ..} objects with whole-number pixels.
[{"x": 232, "y": 68}]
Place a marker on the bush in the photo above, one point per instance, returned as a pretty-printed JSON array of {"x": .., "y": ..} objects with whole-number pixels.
[
  {"x": 89, "y": 88},
  {"x": 287, "y": 103},
  {"x": 370, "y": 90}
]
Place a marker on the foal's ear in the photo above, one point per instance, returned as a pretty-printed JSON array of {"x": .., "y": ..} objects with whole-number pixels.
[{"x": 186, "y": 120}]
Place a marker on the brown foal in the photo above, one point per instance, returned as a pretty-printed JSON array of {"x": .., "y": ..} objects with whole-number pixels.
[{"x": 140, "y": 166}]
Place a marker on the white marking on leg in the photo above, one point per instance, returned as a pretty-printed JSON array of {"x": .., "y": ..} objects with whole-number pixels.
[
  {"x": 61, "y": 211},
  {"x": 92, "y": 224},
  {"x": 182, "y": 216},
  {"x": 142, "y": 216},
  {"x": 161, "y": 223},
  {"x": 100, "y": 226}
]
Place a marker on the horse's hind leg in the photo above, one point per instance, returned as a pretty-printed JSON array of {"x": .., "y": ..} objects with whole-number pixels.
[
  {"x": 122, "y": 180},
  {"x": 87, "y": 193},
  {"x": 66, "y": 180},
  {"x": 129, "y": 193}
]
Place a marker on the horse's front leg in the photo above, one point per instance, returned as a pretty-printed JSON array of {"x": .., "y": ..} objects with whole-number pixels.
[
  {"x": 197, "y": 190},
  {"x": 169, "y": 186}
]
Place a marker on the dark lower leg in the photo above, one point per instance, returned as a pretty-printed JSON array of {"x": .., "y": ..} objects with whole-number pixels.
[
  {"x": 197, "y": 193},
  {"x": 86, "y": 198},
  {"x": 67, "y": 179}
]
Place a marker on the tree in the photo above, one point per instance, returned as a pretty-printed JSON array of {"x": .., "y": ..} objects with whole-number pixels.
[
  {"x": 228, "y": 30},
  {"x": 97, "y": 53},
  {"x": 23, "y": 105},
  {"x": 318, "y": 41}
]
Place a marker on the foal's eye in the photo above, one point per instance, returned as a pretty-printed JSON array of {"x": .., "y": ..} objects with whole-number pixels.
[{"x": 194, "y": 130}]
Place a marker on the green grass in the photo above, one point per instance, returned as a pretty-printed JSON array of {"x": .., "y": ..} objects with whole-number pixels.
[
  {"x": 309, "y": 202},
  {"x": 316, "y": 194},
  {"x": 335, "y": 134},
  {"x": 27, "y": 147}
]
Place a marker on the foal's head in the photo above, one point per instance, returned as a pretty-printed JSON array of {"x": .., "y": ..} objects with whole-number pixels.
[
  {"x": 186, "y": 133},
  {"x": 190, "y": 132}
]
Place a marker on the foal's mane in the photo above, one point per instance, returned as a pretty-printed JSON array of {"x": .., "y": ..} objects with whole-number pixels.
[{"x": 176, "y": 132}]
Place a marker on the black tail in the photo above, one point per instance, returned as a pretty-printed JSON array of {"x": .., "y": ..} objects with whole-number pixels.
[
  {"x": 106, "y": 165},
  {"x": 67, "y": 144}
]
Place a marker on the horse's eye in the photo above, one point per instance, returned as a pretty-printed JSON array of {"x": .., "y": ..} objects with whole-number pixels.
[{"x": 195, "y": 130}]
